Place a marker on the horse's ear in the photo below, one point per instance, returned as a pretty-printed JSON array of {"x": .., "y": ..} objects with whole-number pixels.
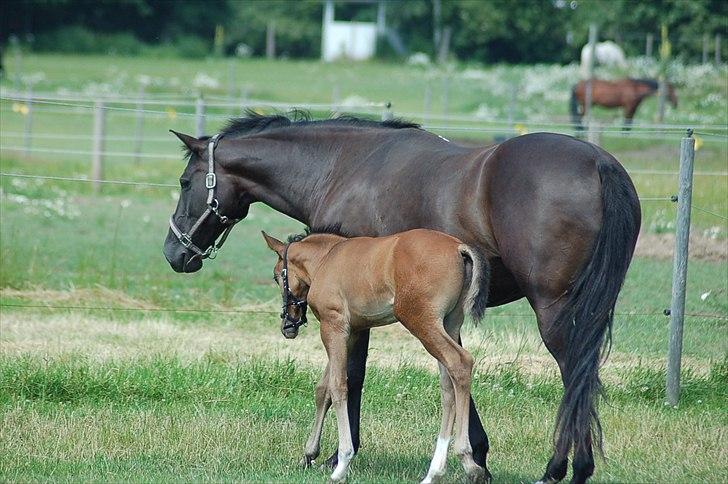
[
  {"x": 274, "y": 244},
  {"x": 196, "y": 146}
]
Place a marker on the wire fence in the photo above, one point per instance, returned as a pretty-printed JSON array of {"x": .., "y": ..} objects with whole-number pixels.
[{"x": 277, "y": 312}]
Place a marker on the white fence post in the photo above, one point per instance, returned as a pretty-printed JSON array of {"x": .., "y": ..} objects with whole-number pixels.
[
  {"x": 680, "y": 268},
  {"x": 97, "y": 160},
  {"x": 200, "y": 117},
  {"x": 28, "y": 128}
]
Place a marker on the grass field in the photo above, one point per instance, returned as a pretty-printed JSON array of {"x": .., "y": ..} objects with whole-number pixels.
[{"x": 213, "y": 392}]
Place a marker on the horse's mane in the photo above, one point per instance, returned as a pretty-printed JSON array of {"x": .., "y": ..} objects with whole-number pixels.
[
  {"x": 651, "y": 83},
  {"x": 252, "y": 122}
]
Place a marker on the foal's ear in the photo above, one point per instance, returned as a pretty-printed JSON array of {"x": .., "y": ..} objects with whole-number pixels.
[
  {"x": 196, "y": 146},
  {"x": 275, "y": 245}
]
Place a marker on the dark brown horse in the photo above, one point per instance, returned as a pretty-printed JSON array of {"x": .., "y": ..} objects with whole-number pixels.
[
  {"x": 556, "y": 217},
  {"x": 624, "y": 93}
]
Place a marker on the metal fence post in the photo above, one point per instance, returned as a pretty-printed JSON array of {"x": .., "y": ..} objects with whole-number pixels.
[
  {"x": 200, "y": 117},
  {"x": 28, "y": 129},
  {"x": 97, "y": 160},
  {"x": 680, "y": 268},
  {"x": 139, "y": 134}
]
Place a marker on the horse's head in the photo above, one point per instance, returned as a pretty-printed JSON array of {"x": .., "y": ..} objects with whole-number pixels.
[
  {"x": 210, "y": 203},
  {"x": 294, "y": 289},
  {"x": 671, "y": 95}
]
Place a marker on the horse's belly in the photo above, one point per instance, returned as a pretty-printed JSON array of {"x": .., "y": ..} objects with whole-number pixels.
[{"x": 372, "y": 314}]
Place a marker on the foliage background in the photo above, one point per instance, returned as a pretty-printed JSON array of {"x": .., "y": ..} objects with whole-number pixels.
[{"x": 485, "y": 31}]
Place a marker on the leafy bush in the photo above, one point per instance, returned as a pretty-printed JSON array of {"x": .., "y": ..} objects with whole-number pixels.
[{"x": 80, "y": 40}]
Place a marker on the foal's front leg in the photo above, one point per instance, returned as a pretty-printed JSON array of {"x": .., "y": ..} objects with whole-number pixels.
[
  {"x": 334, "y": 335},
  {"x": 323, "y": 403}
]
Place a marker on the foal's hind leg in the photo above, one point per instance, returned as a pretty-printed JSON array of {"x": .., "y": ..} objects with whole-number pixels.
[
  {"x": 439, "y": 459},
  {"x": 459, "y": 365},
  {"x": 323, "y": 403}
]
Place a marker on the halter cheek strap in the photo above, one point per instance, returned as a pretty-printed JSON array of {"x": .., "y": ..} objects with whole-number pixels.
[
  {"x": 185, "y": 238},
  {"x": 289, "y": 299}
]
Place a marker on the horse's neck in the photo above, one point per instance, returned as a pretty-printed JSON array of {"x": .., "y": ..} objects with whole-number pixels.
[
  {"x": 284, "y": 174},
  {"x": 291, "y": 173}
]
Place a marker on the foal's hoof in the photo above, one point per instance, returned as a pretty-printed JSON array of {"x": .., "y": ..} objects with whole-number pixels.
[{"x": 306, "y": 462}]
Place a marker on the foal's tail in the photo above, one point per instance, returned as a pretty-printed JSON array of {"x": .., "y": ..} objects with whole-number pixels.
[
  {"x": 574, "y": 109},
  {"x": 477, "y": 297},
  {"x": 586, "y": 319}
]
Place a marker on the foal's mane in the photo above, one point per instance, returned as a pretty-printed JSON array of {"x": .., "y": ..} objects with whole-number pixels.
[
  {"x": 253, "y": 123},
  {"x": 334, "y": 229}
]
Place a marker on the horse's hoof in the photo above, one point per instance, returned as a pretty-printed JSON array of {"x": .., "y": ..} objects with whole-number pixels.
[
  {"x": 332, "y": 461},
  {"x": 478, "y": 476},
  {"x": 306, "y": 462}
]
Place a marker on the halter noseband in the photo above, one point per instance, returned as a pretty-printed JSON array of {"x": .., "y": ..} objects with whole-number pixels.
[
  {"x": 185, "y": 238},
  {"x": 289, "y": 299}
]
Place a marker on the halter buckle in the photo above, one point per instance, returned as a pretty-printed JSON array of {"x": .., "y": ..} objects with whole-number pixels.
[
  {"x": 186, "y": 241},
  {"x": 210, "y": 181}
]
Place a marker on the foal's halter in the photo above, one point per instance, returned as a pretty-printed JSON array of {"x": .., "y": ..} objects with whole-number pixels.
[
  {"x": 289, "y": 299},
  {"x": 185, "y": 238}
]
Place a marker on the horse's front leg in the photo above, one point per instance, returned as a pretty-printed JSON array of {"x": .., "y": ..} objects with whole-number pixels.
[
  {"x": 356, "y": 368},
  {"x": 323, "y": 403},
  {"x": 334, "y": 335}
]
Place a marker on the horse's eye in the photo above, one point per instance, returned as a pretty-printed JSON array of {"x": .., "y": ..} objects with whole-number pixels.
[{"x": 184, "y": 183}]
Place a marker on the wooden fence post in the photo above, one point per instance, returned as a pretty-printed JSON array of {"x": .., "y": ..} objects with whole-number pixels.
[
  {"x": 593, "y": 33},
  {"x": 649, "y": 39},
  {"x": 717, "y": 49},
  {"x": 97, "y": 160},
  {"x": 705, "y": 49},
  {"x": 680, "y": 268},
  {"x": 387, "y": 113},
  {"x": 270, "y": 40},
  {"x": 200, "y": 117},
  {"x": 427, "y": 103},
  {"x": 28, "y": 128},
  {"x": 139, "y": 132},
  {"x": 665, "y": 51}
]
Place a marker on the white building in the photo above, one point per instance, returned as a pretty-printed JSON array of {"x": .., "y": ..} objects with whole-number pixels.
[{"x": 349, "y": 40}]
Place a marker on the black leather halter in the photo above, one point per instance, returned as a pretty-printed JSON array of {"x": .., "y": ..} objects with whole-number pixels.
[
  {"x": 213, "y": 205},
  {"x": 289, "y": 299}
]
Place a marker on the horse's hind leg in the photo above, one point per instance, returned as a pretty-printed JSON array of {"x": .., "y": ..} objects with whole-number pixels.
[
  {"x": 583, "y": 465},
  {"x": 323, "y": 403}
]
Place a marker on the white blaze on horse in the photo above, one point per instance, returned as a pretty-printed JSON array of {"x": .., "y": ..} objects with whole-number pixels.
[{"x": 424, "y": 279}]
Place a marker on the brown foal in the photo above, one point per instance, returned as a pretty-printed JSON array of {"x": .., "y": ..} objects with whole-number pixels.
[{"x": 424, "y": 279}]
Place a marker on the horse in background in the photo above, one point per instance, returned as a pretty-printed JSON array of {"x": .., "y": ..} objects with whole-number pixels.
[
  {"x": 606, "y": 53},
  {"x": 625, "y": 93}
]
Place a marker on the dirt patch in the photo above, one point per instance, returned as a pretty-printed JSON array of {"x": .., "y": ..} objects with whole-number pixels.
[{"x": 661, "y": 246}]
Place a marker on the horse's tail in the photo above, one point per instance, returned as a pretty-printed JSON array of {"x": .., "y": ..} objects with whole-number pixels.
[
  {"x": 476, "y": 298},
  {"x": 586, "y": 319},
  {"x": 574, "y": 109}
]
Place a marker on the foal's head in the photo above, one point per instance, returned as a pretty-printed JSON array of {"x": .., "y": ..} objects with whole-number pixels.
[{"x": 294, "y": 290}]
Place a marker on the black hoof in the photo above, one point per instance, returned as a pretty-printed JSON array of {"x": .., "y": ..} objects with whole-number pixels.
[{"x": 332, "y": 461}]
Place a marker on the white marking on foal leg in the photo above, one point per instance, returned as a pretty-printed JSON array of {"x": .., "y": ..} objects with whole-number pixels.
[{"x": 439, "y": 460}]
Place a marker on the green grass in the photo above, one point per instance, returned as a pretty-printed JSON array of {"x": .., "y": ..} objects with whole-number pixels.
[
  {"x": 140, "y": 393},
  {"x": 159, "y": 419}
]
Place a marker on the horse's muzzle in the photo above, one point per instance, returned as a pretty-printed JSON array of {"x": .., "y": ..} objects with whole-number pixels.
[{"x": 179, "y": 258}]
